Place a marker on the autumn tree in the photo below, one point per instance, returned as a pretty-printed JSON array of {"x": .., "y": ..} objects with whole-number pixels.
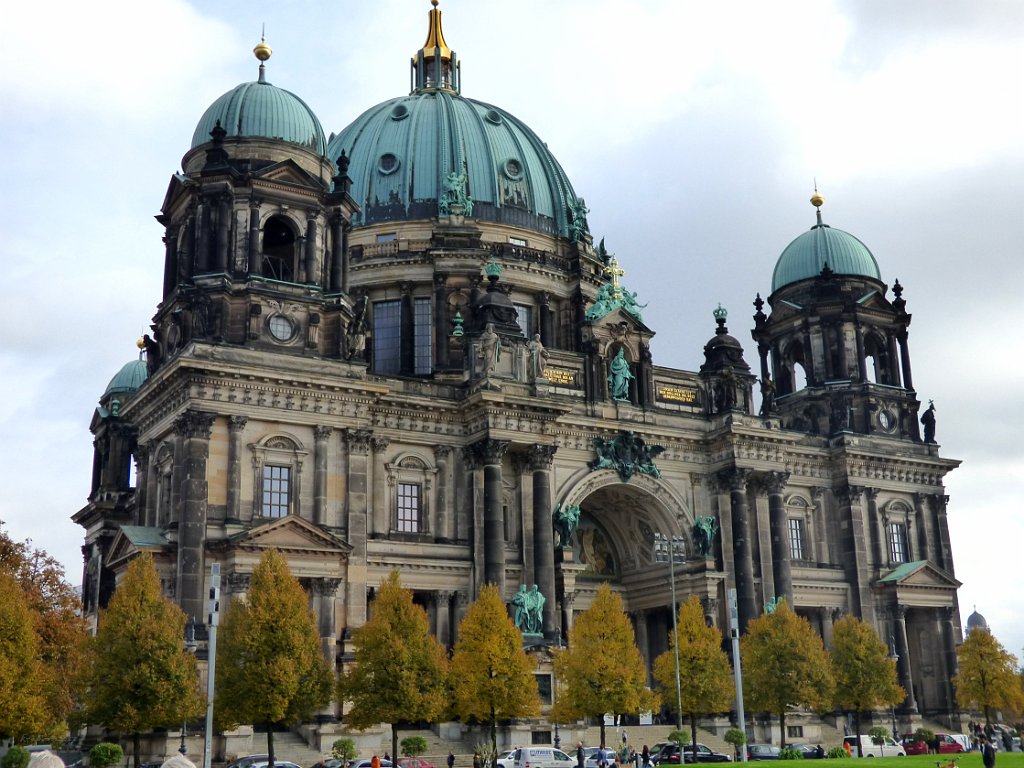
[
  {"x": 24, "y": 705},
  {"x": 703, "y": 666},
  {"x": 141, "y": 676},
  {"x": 784, "y": 664},
  {"x": 865, "y": 675},
  {"x": 602, "y": 669},
  {"x": 987, "y": 678},
  {"x": 270, "y": 669},
  {"x": 60, "y": 630},
  {"x": 400, "y": 672},
  {"x": 491, "y": 676}
]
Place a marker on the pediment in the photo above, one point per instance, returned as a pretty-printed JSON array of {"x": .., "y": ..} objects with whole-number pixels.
[
  {"x": 293, "y": 535},
  {"x": 287, "y": 172},
  {"x": 921, "y": 575},
  {"x": 176, "y": 190},
  {"x": 618, "y": 326},
  {"x": 131, "y": 540}
]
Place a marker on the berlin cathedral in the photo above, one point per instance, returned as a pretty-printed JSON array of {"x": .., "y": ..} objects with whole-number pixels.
[{"x": 399, "y": 347}]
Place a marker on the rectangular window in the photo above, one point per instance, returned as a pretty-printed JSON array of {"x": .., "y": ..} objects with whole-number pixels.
[
  {"x": 276, "y": 481},
  {"x": 541, "y": 738},
  {"x": 794, "y": 731},
  {"x": 386, "y": 237},
  {"x": 517, "y": 241},
  {"x": 523, "y": 318},
  {"x": 796, "y": 538},
  {"x": 423, "y": 354},
  {"x": 387, "y": 318},
  {"x": 408, "y": 508},
  {"x": 544, "y": 688},
  {"x": 898, "y": 542}
]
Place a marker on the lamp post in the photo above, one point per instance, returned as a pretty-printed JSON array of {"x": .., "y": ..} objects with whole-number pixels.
[
  {"x": 190, "y": 647},
  {"x": 554, "y": 692},
  {"x": 213, "y": 619},
  {"x": 895, "y": 660},
  {"x": 669, "y": 548}
]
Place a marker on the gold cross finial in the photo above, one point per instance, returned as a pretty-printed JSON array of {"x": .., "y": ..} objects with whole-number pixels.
[{"x": 615, "y": 272}]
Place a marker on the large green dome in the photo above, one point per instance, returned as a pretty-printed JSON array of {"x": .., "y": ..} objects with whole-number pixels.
[
  {"x": 132, "y": 375},
  {"x": 807, "y": 255}
]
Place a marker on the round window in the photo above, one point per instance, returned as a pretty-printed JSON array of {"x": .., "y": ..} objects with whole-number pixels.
[
  {"x": 388, "y": 163},
  {"x": 492, "y": 117},
  {"x": 513, "y": 169},
  {"x": 281, "y": 328},
  {"x": 400, "y": 112}
]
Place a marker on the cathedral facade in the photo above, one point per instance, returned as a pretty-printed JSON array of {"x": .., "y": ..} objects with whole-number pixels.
[{"x": 402, "y": 349}]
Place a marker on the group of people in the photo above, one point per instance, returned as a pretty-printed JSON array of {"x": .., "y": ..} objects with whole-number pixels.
[{"x": 609, "y": 758}]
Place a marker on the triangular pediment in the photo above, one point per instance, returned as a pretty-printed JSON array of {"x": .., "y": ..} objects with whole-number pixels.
[
  {"x": 921, "y": 574},
  {"x": 287, "y": 172},
  {"x": 293, "y": 535},
  {"x": 130, "y": 540},
  {"x": 177, "y": 189}
]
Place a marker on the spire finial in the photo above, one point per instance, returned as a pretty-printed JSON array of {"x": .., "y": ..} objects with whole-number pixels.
[
  {"x": 817, "y": 201},
  {"x": 434, "y": 65},
  {"x": 262, "y": 52}
]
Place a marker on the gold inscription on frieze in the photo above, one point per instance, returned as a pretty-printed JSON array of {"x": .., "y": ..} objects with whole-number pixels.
[
  {"x": 559, "y": 377},
  {"x": 677, "y": 394}
]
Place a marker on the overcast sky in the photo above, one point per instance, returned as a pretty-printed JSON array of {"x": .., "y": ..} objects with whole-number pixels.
[{"x": 694, "y": 130}]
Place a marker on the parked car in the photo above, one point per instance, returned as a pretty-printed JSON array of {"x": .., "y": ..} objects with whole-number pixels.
[
  {"x": 246, "y": 761},
  {"x": 670, "y": 754},
  {"x": 328, "y": 762},
  {"x": 947, "y": 745},
  {"x": 364, "y": 762},
  {"x": 914, "y": 746},
  {"x": 277, "y": 764},
  {"x": 507, "y": 760},
  {"x": 413, "y": 762},
  {"x": 809, "y": 751},
  {"x": 868, "y": 748},
  {"x": 763, "y": 752},
  {"x": 542, "y": 757}
]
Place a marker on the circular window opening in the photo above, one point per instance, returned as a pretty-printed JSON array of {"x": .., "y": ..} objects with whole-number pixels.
[
  {"x": 281, "y": 328},
  {"x": 387, "y": 164},
  {"x": 513, "y": 169},
  {"x": 492, "y": 117},
  {"x": 400, "y": 112}
]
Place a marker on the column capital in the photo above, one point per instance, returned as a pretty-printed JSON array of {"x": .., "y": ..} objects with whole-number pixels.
[
  {"x": 490, "y": 451},
  {"x": 775, "y": 482},
  {"x": 442, "y": 453},
  {"x": 444, "y": 597},
  {"x": 358, "y": 440},
  {"x": 237, "y": 423},
  {"x": 236, "y": 583},
  {"x": 379, "y": 443},
  {"x": 195, "y": 424},
  {"x": 321, "y": 433},
  {"x": 541, "y": 456},
  {"x": 849, "y": 494},
  {"x": 734, "y": 478},
  {"x": 871, "y": 493}
]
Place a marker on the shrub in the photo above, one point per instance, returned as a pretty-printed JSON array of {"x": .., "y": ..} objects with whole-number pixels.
[
  {"x": 879, "y": 734},
  {"x": 16, "y": 757},
  {"x": 788, "y": 753},
  {"x": 343, "y": 749},
  {"x": 105, "y": 754},
  {"x": 413, "y": 745},
  {"x": 736, "y": 738},
  {"x": 836, "y": 752},
  {"x": 679, "y": 737},
  {"x": 925, "y": 735}
]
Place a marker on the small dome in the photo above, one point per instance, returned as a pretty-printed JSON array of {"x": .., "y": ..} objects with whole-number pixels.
[
  {"x": 976, "y": 621},
  {"x": 805, "y": 257},
  {"x": 131, "y": 376}
]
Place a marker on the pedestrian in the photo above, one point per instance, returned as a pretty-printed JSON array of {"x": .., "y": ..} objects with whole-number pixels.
[
  {"x": 387, "y": 757},
  {"x": 988, "y": 753},
  {"x": 602, "y": 757},
  {"x": 581, "y": 756},
  {"x": 477, "y": 761},
  {"x": 374, "y": 762},
  {"x": 1007, "y": 740},
  {"x": 451, "y": 760},
  {"x": 645, "y": 757}
]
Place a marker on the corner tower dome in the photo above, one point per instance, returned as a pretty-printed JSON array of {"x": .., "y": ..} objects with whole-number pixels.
[
  {"x": 406, "y": 153},
  {"x": 262, "y": 110},
  {"x": 822, "y": 246}
]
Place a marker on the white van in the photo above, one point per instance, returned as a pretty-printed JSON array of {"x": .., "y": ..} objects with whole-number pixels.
[
  {"x": 542, "y": 757},
  {"x": 888, "y": 747}
]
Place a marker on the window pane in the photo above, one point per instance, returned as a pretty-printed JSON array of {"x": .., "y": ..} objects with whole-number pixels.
[
  {"x": 386, "y": 349},
  {"x": 898, "y": 542},
  {"x": 408, "y": 508},
  {"x": 523, "y": 318},
  {"x": 423, "y": 337},
  {"x": 796, "y": 538},
  {"x": 275, "y": 491}
]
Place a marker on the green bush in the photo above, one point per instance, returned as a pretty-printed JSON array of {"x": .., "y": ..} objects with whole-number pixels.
[
  {"x": 413, "y": 745},
  {"x": 736, "y": 738},
  {"x": 788, "y": 753},
  {"x": 679, "y": 737},
  {"x": 836, "y": 752},
  {"x": 105, "y": 754},
  {"x": 16, "y": 757},
  {"x": 343, "y": 749},
  {"x": 925, "y": 735},
  {"x": 879, "y": 734}
]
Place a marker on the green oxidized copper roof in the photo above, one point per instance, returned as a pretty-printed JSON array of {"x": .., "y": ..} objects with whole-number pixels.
[
  {"x": 902, "y": 571},
  {"x": 807, "y": 256},
  {"x": 262, "y": 110},
  {"x": 129, "y": 378}
]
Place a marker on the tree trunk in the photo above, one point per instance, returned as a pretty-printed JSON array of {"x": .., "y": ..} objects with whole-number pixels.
[
  {"x": 270, "y": 745},
  {"x": 137, "y": 749},
  {"x": 494, "y": 736},
  {"x": 782, "y": 729},
  {"x": 856, "y": 728},
  {"x": 602, "y": 732},
  {"x": 394, "y": 744},
  {"x": 693, "y": 734}
]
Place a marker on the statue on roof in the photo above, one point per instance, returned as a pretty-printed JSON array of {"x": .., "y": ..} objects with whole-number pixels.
[
  {"x": 578, "y": 226},
  {"x": 454, "y": 199}
]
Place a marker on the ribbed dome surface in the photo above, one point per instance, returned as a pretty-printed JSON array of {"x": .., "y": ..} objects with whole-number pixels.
[
  {"x": 806, "y": 256},
  {"x": 262, "y": 110},
  {"x": 402, "y": 151},
  {"x": 976, "y": 621},
  {"x": 131, "y": 376}
]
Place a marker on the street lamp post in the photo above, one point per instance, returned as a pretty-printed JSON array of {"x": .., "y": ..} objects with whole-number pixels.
[
  {"x": 212, "y": 620},
  {"x": 669, "y": 548},
  {"x": 554, "y": 692},
  {"x": 896, "y": 660},
  {"x": 190, "y": 647}
]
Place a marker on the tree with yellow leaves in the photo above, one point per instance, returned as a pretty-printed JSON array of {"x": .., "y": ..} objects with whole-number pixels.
[
  {"x": 987, "y": 678},
  {"x": 24, "y": 703},
  {"x": 602, "y": 670}
]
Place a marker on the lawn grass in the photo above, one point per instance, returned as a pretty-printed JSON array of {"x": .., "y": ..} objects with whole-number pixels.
[{"x": 965, "y": 760}]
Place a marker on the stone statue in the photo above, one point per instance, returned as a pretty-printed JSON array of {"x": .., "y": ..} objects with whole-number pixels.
[
  {"x": 520, "y": 601},
  {"x": 566, "y": 520},
  {"x": 620, "y": 376},
  {"x": 535, "y": 611},
  {"x": 489, "y": 351},
  {"x": 454, "y": 198},
  {"x": 578, "y": 227},
  {"x": 704, "y": 531},
  {"x": 928, "y": 420},
  {"x": 627, "y": 454},
  {"x": 538, "y": 358},
  {"x": 355, "y": 337},
  {"x": 767, "y": 395}
]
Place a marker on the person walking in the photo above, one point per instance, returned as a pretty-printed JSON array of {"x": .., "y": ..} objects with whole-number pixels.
[
  {"x": 451, "y": 760},
  {"x": 580, "y": 755},
  {"x": 988, "y": 753},
  {"x": 374, "y": 762},
  {"x": 645, "y": 757},
  {"x": 477, "y": 760}
]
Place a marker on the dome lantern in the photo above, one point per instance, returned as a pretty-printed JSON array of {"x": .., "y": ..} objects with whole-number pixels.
[{"x": 435, "y": 66}]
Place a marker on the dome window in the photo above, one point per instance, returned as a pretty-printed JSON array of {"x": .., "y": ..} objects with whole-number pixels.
[
  {"x": 281, "y": 328},
  {"x": 400, "y": 112},
  {"x": 513, "y": 169},
  {"x": 492, "y": 117},
  {"x": 387, "y": 164}
]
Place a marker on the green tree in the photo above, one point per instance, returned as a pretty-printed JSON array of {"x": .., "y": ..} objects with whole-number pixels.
[
  {"x": 344, "y": 750},
  {"x": 602, "y": 669},
  {"x": 702, "y": 665},
  {"x": 24, "y": 705},
  {"x": 865, "y": 676},
  {"x": 270, "y": 669},
  {"x": 413, "y": 746},
  {"x": 784, "y": 664},
  {"x": 400, "y": 674},
  {"x": 987, "y": 678},
  {"x": 736, "y": 738},
  {"x": 491, "y": 676},
  {"x": 141, "y": 677}
]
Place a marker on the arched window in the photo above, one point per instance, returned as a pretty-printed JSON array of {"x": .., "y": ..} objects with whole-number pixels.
[
  {"x": 876, "y": 353},
  {"x": 792, "y": 375},
  {"x": 280, "y": 250},
  {"x": 410, "y": 480},
  {"x": 277, "y": 466}
]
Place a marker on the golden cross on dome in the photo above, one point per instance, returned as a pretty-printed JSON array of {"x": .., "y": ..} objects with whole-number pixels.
[{"x": 614, "y": 271}]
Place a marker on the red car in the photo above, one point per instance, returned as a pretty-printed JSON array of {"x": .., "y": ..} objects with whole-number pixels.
[
  {"x": 947, "y": 744},
  {"x": 914, "y": 746}
]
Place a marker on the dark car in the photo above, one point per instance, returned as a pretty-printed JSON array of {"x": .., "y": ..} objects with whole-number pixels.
[
  {"x": 810, "y": 751},
  {"x": 694, "y": 753},
  {"x": 914, "y": 746},
  {"x": 248, "y": 760},
  {"x": 763, "y": 752},
  {"x": 328, "y": 762}
]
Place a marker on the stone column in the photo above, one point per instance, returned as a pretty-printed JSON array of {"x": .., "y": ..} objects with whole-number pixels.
[
  {"x": 461, "y": 605},
  {"x": 908, "y": 381},
  {"x": 862, "y": 363},
  {"x": 735, "y": 480},
  {"x": 879, "y": 551},
  {"x": 828, "y": 618},
  {"x": 903, "y": 649},
  {"x": 170, "y": 260},
  {"x": 442, "y": 616},
  {"x": 775, "y": 483},
  {"x": 152, "y": 485},
  {"x": 202, "y": 235},
  {"x": 854, "y": 555},
  {"x": 540, "y": 457},
  {"x": 441, "y": 329},
  {"x": 195, "y": 428},
  {"x": 254, "y": 236},
  {"x": 942, "y": 526},
  {"x": 223, "y": 232},
  {"x": 894, "y": 366},
  {"x": 312, "y": 273},
  {"x": 547, "y": 324},
  {"x": 407, "y": 325},
  {"x": 326, "y": 592},
  {"x": 142, "y": 486},
  {"x": 236, "y": 425},
  {"x": 491, "y": 453},
  {"x": 949, "y": 643},
  {"x": 824, "y": 537},
  {"x": 380, "y": 500},
  {"x": 357, "y": 442},
  {"x": 568, "y": 600},
  {"x": 926, "y": 546},
  {"x": 337, "y": 256},
  {"x": 643, "y": 640},
  {"x": 321, "y": 435},
  {"x": 445, "y": 527}
]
